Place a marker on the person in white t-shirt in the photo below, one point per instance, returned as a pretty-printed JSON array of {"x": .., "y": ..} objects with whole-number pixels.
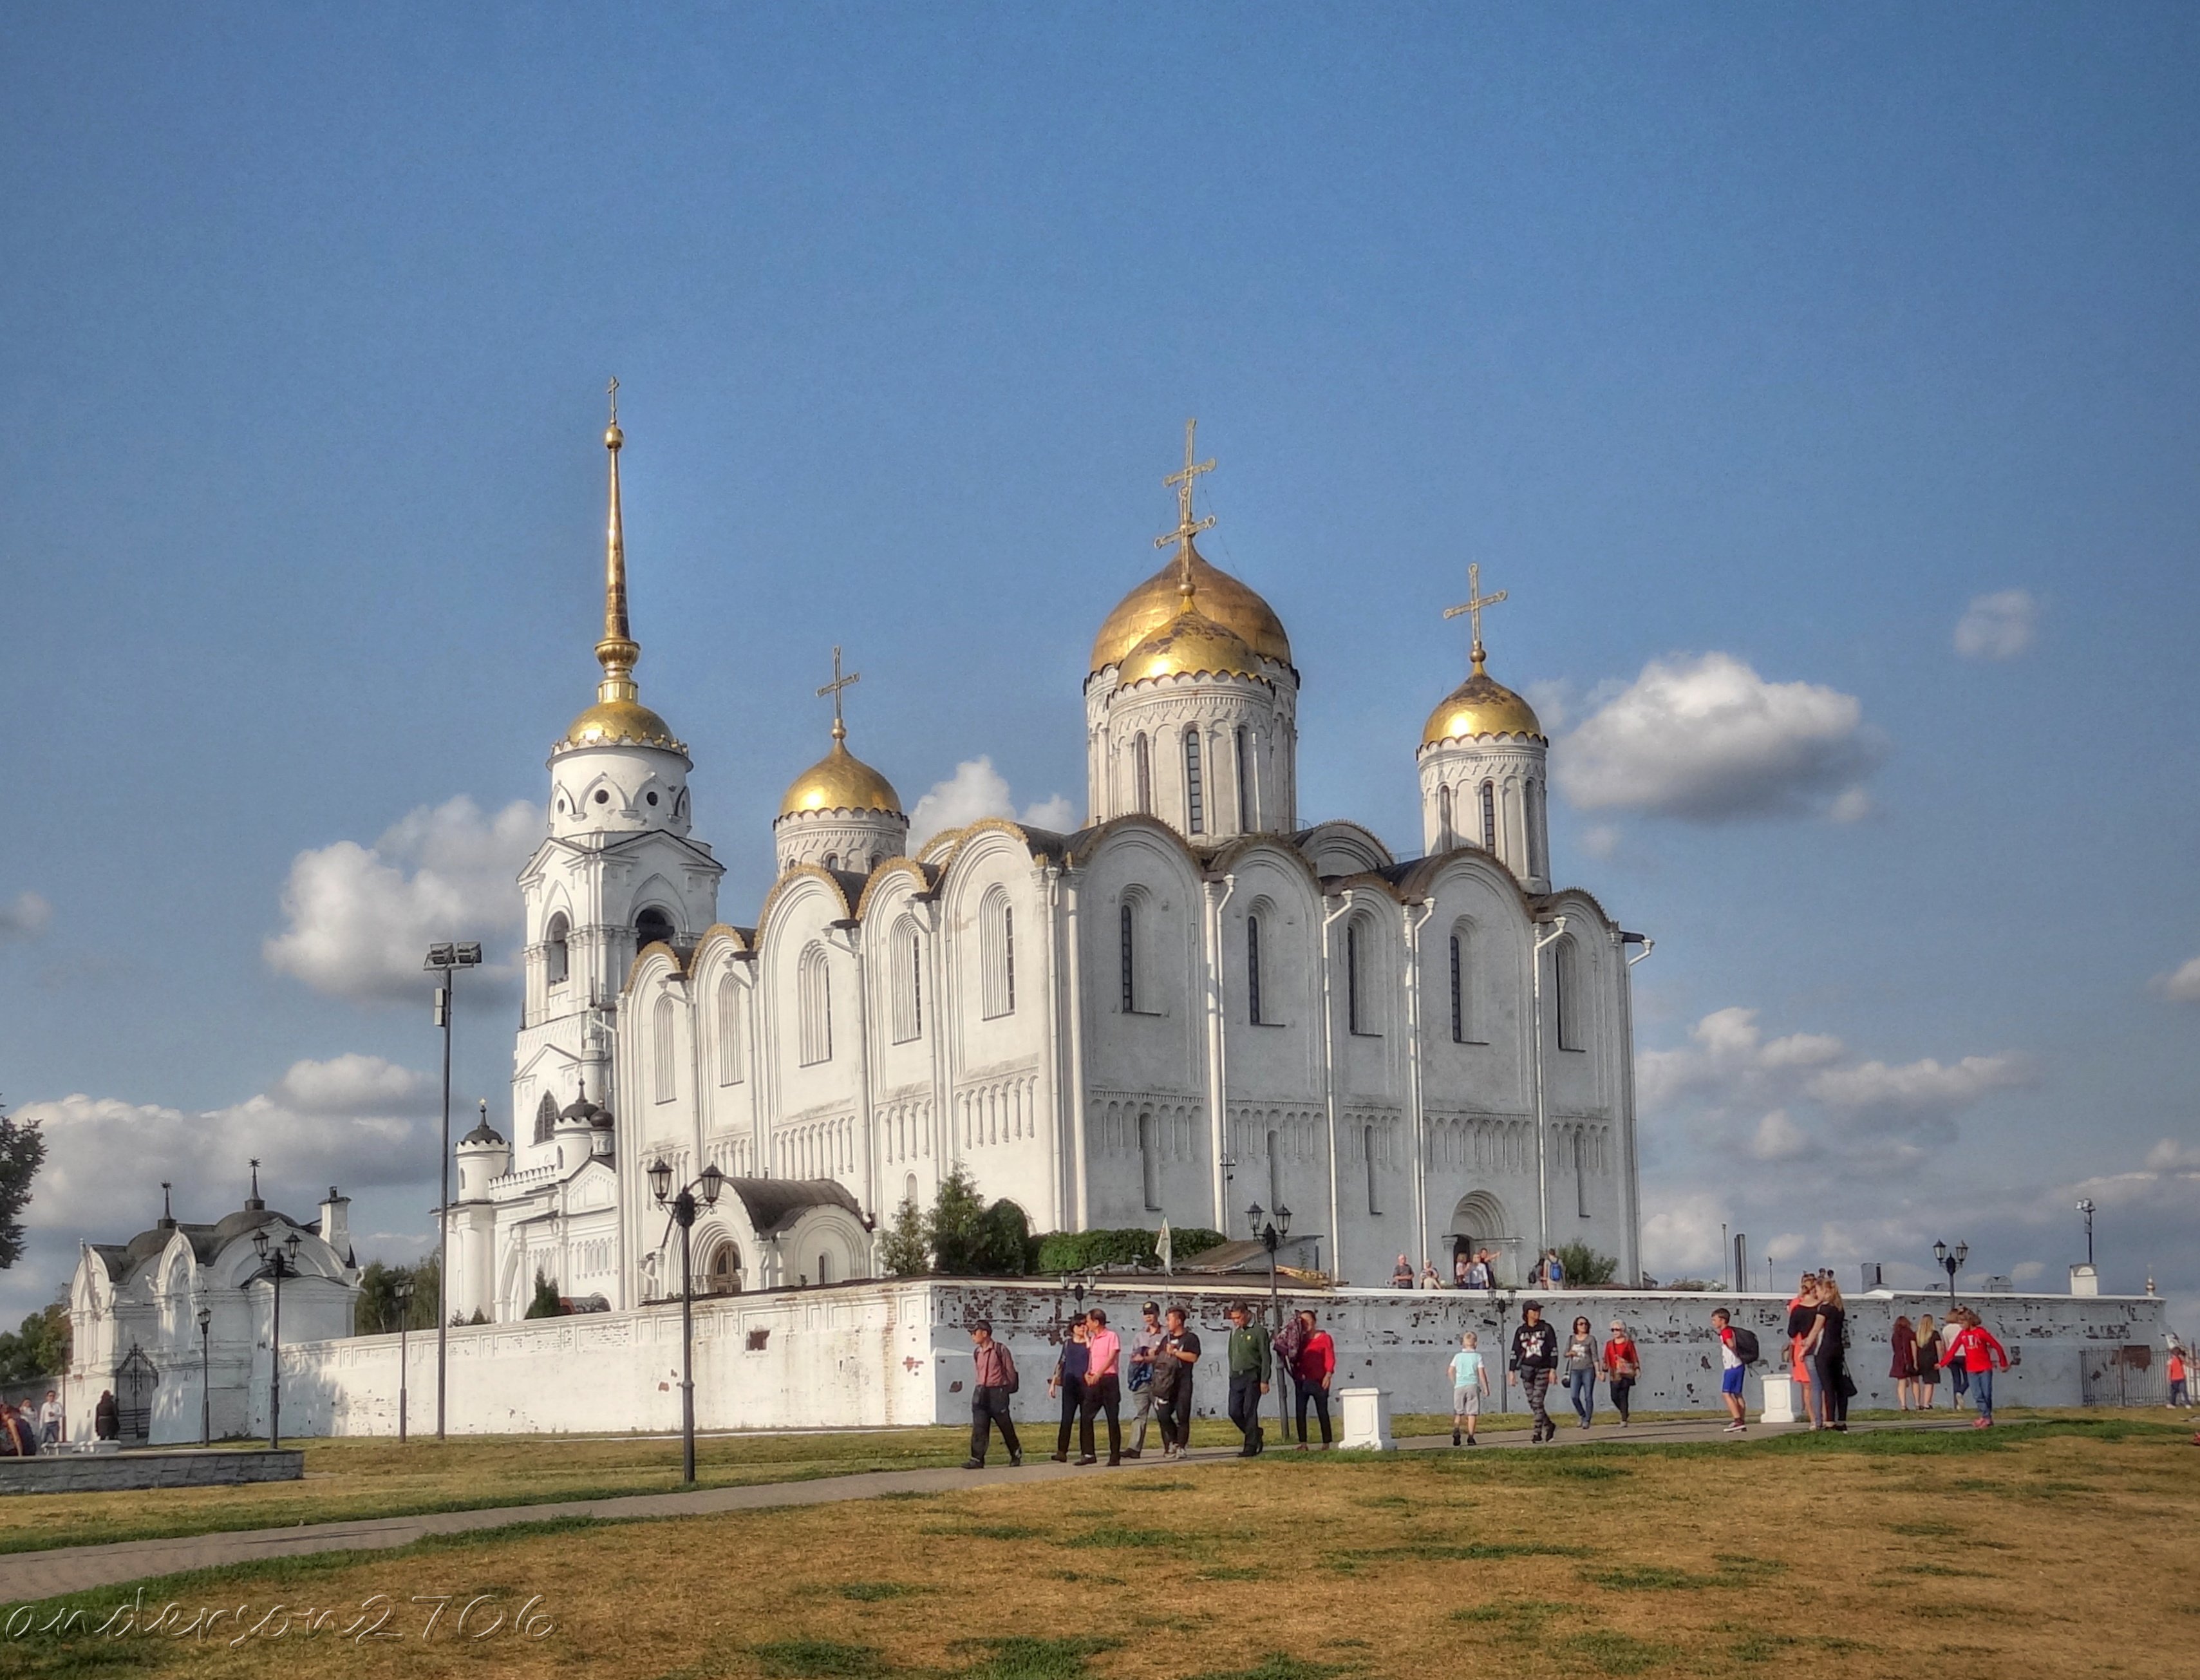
[{"x": 1470, "y": 1381}]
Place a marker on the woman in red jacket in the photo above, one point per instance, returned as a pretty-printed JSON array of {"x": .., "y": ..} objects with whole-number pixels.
[
  {"x": 1980, "y": 1352},
  {"x": 1311, "y": 1370}
]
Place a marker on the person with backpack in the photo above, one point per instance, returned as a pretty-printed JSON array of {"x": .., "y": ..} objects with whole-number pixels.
[
  {"x": 994, "y": 1379},
  {"x": 1140, "y": 1378},
  {"x": 1733, "y": 1367},
  {"x": 1979, "y": 1353}
]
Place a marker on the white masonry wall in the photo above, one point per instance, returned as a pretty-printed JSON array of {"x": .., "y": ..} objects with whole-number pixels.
[{"x": 882, "y": 1354}]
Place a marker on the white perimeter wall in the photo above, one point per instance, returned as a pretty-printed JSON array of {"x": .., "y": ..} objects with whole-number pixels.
[{"x": 880, "y": 1353}]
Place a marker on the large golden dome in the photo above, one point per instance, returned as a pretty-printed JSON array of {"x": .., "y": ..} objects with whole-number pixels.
[
  {"x": 1481, "y": 706},
  {"x": 619, "y": 723},
  {"x": 1189, "y": 644},
  {"x": 1222, "y": 599},
  {"x": 839, "y": 781}
]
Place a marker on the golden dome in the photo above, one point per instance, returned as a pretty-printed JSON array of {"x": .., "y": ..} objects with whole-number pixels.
[
  {"x": 839, "y": 781},
  {"x": 1225, "y": 601},
  {"x": 617, "y": 723},
  {"x": 1481, "y": 706},
  {"x": 1189, "y": 644}
]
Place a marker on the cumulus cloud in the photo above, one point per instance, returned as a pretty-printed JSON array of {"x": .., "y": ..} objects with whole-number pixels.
[
  {"x": 2180, "y": 984},
  {"x": 1920, "y": 1087},
  {"x": 355, "y": 1084},
  {"x": 1999, "y": 626},
  {"x": 23, "y": 916},
  {"x": 361, "y": 918},
  {"x": 1778, "y": 1137},
  {"x": 1707, "y": 740},
  {"x": 975, "y": 790}
]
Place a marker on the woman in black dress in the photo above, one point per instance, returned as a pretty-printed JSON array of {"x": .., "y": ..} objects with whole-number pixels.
[{"x": 1829, "y": 1352}]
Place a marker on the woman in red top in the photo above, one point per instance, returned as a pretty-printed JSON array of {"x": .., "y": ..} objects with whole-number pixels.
[
  {"x": 1980, "y": 1353},
  {"x": 1311, "y": 1370},
  {"x": 1622, "y": 1366}
]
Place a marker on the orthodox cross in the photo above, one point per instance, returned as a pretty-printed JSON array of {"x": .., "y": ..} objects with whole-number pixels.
[
  {"x": 833, "y": 688},
  {"x": 1181, "y": 483},
  {"x": 1472, "y": 605},
  {"x": 611, "y": 391}
]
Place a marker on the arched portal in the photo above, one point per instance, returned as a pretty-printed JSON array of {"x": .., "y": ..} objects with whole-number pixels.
[
  {"x": 1479, "y": 1222},
  {"x": 722, "y": 1276}
]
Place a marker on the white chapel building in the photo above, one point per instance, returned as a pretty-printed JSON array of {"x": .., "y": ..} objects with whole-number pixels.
[{"x": 1191, "y": 1003}]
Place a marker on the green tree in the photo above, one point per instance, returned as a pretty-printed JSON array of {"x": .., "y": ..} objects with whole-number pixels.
[
  {"x": 1584, "y": 1267},
  {"x": 546, "y": 1303},
  {"x": 375, "y": 1312},
  {"x": 955, "y": 1230},
  {"x": 39, "y": 1349},
  {"x": 22, "y": 1152},
  {"x": 905, "y": 1252},
  {"x": 1007, "y": 1248}
]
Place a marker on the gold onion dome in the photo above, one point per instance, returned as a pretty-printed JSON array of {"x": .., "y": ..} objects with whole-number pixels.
[
  {"x": 1191, "y": 644},
  {"x": 1481, "y": 706},
  {"x": 1225, "y": 603},
  {"x": 619, "y": 722},
  {"x": 839, "y": 781}
]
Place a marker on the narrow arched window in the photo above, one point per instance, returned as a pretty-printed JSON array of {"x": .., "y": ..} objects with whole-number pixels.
[
  {"x": 824, "y": 1268},
  {"x": 996, "y": 954},
  {"x": 1459, "y": 988},
  {"x": 1359, "y": 999},
  {"x": 1565, "y": 989},
  {"x": 1490, "y": 817},
  {"x": 1444, "y": 840},
  {"x": 1536, "y": 837},
  {"x": 664, "y": 1074},
  {"x": 1253, "y": 969},
  {"x": 1142, "y": 773},
  {"x": 1367, "y": 1148},
  {"x": 557, "y": 956},
  {"x": 1149, "y": 1166},
  {"x": 907, "y": 983},
  {"x": 1275, "y": 1170},
  {"x": 733, "y": 1041},
  {"x": 815, "y": 988},
  {"x": 1130, "y": 955},
  {"x": 1244, "y": 782},
  {"x": 1195, "y": 792},
  {"x": 832, "y": 860},
  {"x": 546, "y": 1118}
]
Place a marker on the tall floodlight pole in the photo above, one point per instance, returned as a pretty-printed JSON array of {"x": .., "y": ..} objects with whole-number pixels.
[
  {"x": 445, "y": 959},
  {"x": 2085, "y": 1208}
]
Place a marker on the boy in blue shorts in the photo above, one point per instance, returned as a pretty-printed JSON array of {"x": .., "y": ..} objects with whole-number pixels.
[{"x": 1731, "y": 1369}]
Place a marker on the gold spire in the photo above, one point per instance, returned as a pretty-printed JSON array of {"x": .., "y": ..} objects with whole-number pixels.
[
  {"x": 1473, "y": 606},
  {"x": 618, "y": 652},
  {"x": 833, "y": 688}
]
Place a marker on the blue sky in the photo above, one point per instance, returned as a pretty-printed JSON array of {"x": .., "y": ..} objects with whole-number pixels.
[{"x": 1747, "y": 349}]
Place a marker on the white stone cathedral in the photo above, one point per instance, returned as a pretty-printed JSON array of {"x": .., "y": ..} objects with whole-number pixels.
[{"x": 1191, "y": 1003}]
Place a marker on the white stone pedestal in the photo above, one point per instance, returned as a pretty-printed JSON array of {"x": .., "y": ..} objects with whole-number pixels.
[
  {"x": 1779, "y": 1399},
  {"x": 1367, "y": 1419}
]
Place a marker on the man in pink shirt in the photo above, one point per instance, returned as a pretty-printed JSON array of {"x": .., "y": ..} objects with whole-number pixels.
[{"x": 1104, "y": 1389}]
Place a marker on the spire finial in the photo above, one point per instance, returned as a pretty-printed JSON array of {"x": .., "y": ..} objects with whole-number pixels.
[
  {"x": 168, "y": 1213},
  {"x": 1472, "y": 605},
  {"x": 833, "y": 688},
  {"x": 618, "y": 652},
  {"x": 252, "y": 1201},
  {"x": 1186, "y": 527}
]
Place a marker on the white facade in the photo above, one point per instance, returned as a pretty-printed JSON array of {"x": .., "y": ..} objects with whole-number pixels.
[{"x": 1190, "y": 1004}]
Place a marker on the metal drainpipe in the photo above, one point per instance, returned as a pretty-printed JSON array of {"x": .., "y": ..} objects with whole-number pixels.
[
  {"x": 1075, "y": 1007},
  {"x": 1630, "y": 1189},
  {"x": 1050, "y": 993},
  {"x": 1543, "y": 1162},
  {"x": 1414, "y": 1068},
  {"x": 863, "y": 1114},
  {"x": 1329, "y": 1088},
  {"x": 1218, "y": 1101}
]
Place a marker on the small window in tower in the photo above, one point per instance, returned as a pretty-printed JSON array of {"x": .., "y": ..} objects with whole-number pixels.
[
  {"x": 546, "y": 1118},
  {"x": 651, "y": 797},
  {"x": 652, "y": 926},
  {"x": 1142, "y": 774},
  {"x": 602, "y": 797},
  {"x": 1244, "y": 782},
  {"x": 832, "y": 860},
  {"x": 556, "y": 956},
  {"x": 1490, "y": 817},
  {"x": 1195, "y": 796},
  {"x": 1444, "y": 818}
]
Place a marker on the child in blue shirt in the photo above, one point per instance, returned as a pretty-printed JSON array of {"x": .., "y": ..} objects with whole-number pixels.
[{"x": 1470, "y": 1381}]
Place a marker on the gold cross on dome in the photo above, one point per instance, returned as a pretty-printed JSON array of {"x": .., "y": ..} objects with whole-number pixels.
[
  {"x": 611, "y": 391},
  {"x": 1186, "y": 527},
  {"x": 1472, "y": 605},
  {"x": 833, "y": 688}
]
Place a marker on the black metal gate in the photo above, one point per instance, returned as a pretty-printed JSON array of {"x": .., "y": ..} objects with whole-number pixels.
[
  {"x": 135, "y": 1379},
  {"x": 2128, "y": 1375}
]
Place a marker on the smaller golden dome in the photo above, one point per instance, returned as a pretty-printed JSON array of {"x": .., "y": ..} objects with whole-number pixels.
[
  {"x": 839, "y": 781},
  {"x": 1189, "y": 644},
  {"x": 616, "y": 723},
  {"x": 1480, "y": 706},
  {"x": 1149, "y": 608}
]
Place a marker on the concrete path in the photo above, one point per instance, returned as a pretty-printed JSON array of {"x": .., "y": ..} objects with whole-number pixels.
[{"x": 34, "y": 1575}]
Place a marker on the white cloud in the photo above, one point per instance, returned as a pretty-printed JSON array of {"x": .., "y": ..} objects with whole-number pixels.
[
  {"x": 1924, "y": 1087},
  {"x": 1708, "y": 739},
  {"x": 1999, "y": 626},
  {"x": 975, "y": 790},
  {"x": 2181, "y": 985},
  {"x": 24, "y": 917},
  {"x": 1778, "y": 1137},
  {"x": 1553, "y": 700},
  {"x": 356, "y": 1084},
  {"x": 362, "y": 917},
  {"x": 1600, "y": 839}
]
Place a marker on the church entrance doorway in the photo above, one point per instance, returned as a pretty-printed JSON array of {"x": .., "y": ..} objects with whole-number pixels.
[
  {"x": 724, "y": 1274},
  {"x": 1479, "y": 1226}
]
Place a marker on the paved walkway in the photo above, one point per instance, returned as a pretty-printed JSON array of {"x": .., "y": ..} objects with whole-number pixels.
[{"x": 34, "y": 1575}]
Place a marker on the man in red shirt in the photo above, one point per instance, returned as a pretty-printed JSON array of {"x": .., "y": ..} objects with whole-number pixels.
[
  {"x": 1314, "y": 1364},
  {"x": 1980, "y": 1353}
]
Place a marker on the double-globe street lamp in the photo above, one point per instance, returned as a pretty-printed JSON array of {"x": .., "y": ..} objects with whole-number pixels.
[
  {"x": 280, "y": 1261},
  {"x": 1952, "y": 1261},
  {"x": 1269, "y": 1233},
  {"x": 445, "y": 958},
  {"x": 682, "y": 1205},
  {"x": 205, "y": 1381}
]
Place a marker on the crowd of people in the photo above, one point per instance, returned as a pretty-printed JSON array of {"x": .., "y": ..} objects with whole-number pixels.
[
  {"x": 25, "y": 1428},
  {"x": 1476, "y": 1269},
  {"x": 1960, "y": 1346}
]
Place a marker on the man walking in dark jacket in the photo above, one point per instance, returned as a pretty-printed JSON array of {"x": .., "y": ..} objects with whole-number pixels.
[
  {"x": 1535, "y": 1357},
  {"x": 994, "y": 1381},
  {"x": 1251, "y": 1366}
]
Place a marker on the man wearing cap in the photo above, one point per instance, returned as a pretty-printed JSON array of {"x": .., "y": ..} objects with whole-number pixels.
[{"x": 1535, "y": 1357}]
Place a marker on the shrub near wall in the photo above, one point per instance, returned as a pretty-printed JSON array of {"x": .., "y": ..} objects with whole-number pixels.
[{"x": 1088, "y": 1250}]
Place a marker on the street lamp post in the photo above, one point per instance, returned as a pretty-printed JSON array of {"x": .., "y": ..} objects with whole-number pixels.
[
  {"x": 1952, "y": 1261},
  {"x": 446, "y": 959},
  {"x": 281, "y": 1261},
  {"x": 1270, "y": 1234},
  {"x": 2085, "y": 1208},
  {"x": 402, "y": 1289},
  {"x": 683, "y": 1215},
  {"x": 205, "y": 1381}
]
